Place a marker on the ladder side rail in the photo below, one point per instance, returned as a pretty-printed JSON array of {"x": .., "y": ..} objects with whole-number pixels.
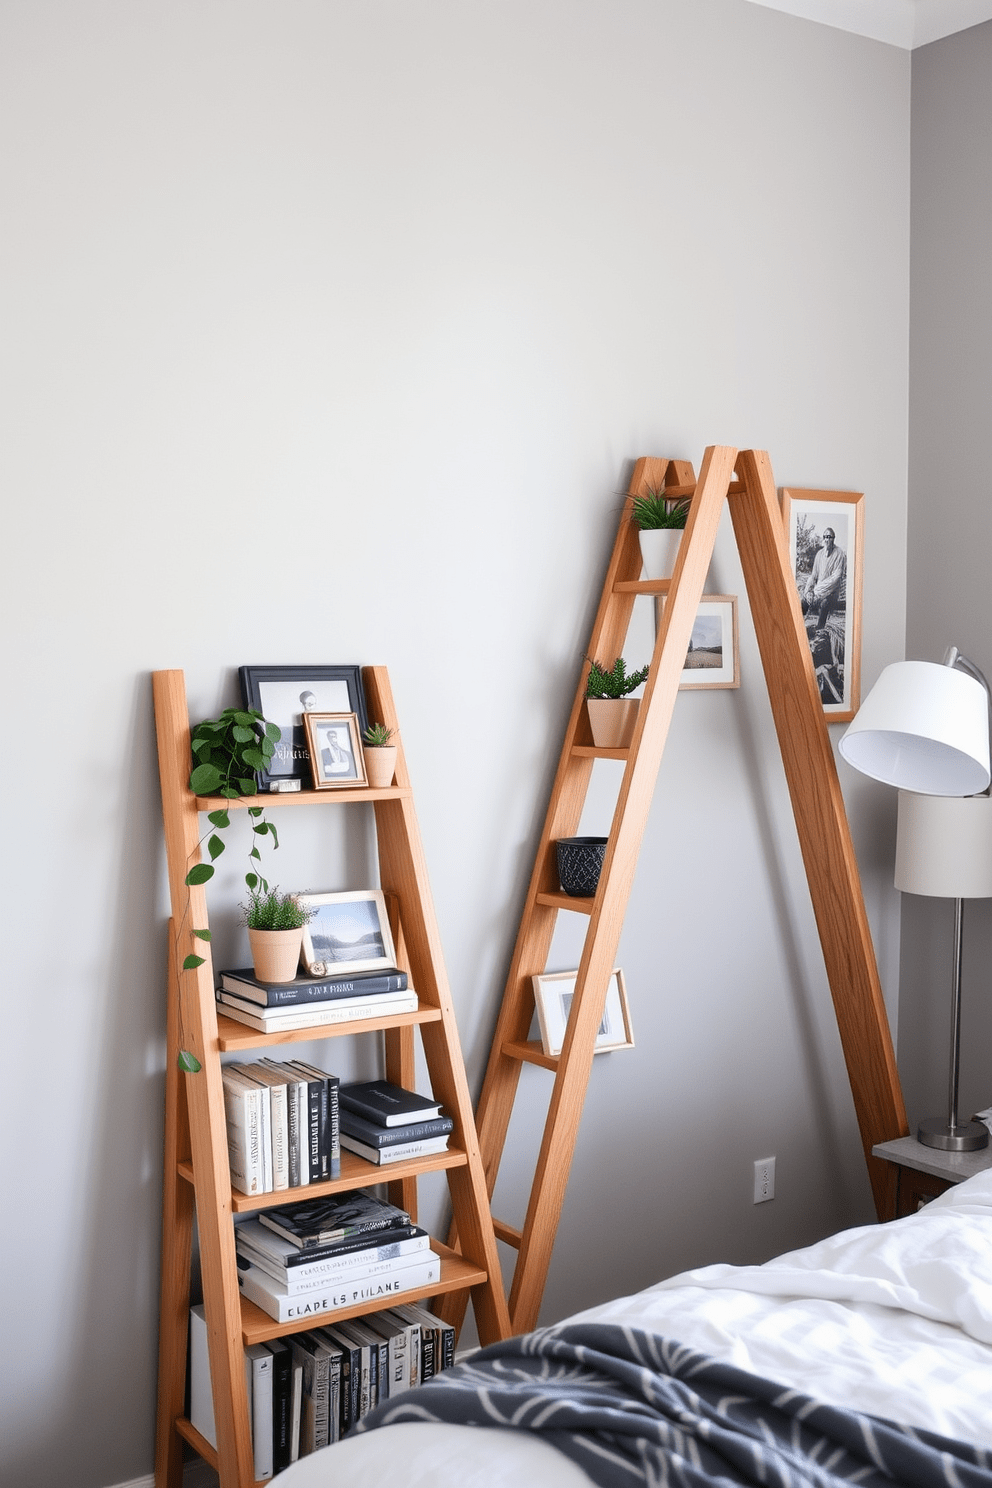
[
  {"x": 821, "y": 819},
  {"x": 197, "y": 1033},
  {"x": 619, "y": 864}
]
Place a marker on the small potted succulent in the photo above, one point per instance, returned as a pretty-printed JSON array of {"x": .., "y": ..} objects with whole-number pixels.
[
  {"x": 661, "y": 522},
  {"x": 612, "y": 714},
  {"x": 380, "y": 755},
  {"x": 275, "y": 924}
]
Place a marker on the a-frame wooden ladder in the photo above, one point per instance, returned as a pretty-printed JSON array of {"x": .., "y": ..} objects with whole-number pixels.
[{"x": 821, "y": 820}]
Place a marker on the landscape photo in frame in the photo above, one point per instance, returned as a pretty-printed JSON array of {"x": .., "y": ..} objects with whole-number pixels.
[{"x": 349, "y": 932}]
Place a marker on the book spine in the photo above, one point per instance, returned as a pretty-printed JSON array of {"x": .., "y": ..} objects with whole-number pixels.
[
  {"x": 319, "y": 1273},
  {"x": 334, "y": 1126},
  {"x": 313, "y": 1128},
  {"x": 296, "y": 1402},
  {"x": 325, "y": 991},
  {"x": 293, "y": 1287},
  {"x": 282, "y": 1390},
  {"x": 293, "y": 1134},
  {"x": 261, "y": 1409},
  {"x": 351, "y": 1370},
  {"x": 385, "y": 1155},
  {"x": 353, "y": 1013},
  {"x": 244, "y": 1151},
  {"x": 292, "y": 1309},
  {"x": 391, "y": 1136}
]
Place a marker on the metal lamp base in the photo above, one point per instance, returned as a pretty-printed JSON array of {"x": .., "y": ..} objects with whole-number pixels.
[{"x": 967, "y": 1136}]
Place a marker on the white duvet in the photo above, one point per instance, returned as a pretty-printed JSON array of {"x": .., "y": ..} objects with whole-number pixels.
[{"x": 894, "y": 1320}]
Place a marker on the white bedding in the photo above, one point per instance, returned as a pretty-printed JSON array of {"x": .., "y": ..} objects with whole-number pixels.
[{"x": 894, "y": 1320}]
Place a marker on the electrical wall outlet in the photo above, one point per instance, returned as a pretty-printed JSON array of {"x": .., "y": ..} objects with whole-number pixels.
[{"x": 764, "y": 1180}]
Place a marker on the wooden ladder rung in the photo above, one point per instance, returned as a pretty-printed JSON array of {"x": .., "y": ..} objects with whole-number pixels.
[
  {"x": 508, "y": 1234},
  {"x": 566, "y": 901},
  {"x": 593, "y": 751},
  {"x": 642, "y": 586},
  {"x": 531, "y": 1052}
]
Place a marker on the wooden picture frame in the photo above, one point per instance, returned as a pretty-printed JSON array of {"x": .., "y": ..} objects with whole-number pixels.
[
  {"x": 714, "y": 657},
  {"x": 833, "y": 617},
  {"x": 283, "y": 695},
  {"x": 553, "y": 993},
  {"x": 349, "y": 932},
  {"x": 335, "y": 746}
]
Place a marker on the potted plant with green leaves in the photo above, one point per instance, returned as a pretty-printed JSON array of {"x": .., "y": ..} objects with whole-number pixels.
[
  {"x": 661, "y": 522},
  {"x": 380, "y": 755},
  {"x": 275, "y": 924},
  {"x": 612, "y": 712}
]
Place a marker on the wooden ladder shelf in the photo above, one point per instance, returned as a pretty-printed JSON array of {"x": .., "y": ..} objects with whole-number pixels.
[
  {"x": 745, "y": 478},
  {"x": 197, "y": 1174}
]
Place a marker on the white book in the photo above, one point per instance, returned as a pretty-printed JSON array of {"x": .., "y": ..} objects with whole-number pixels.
[
  {"x": 273, "y": 1299},
  {"x": 363, "y": 1266},
  {"x": 286, "y": 1260},
  {"x": 243, "y": 1111},
  {"x": 347, "y": 1010},
  {"x": 278, "y": 1125},
  {"x": 295, "y": 1403},
  {"x": 382, "y": 1156},
  {"x": 260, "y": 1362}
]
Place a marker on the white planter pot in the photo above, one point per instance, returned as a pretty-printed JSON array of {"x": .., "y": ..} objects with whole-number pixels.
[
  {"x": 659, "y": 548},
  {"x": 380, "y": 764},
  {"x": 275, "y": 954},
  {"x": 612, "y": 721}
]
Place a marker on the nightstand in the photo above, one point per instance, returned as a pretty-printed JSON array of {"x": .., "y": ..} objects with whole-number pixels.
[{"x": 924, "y": 1172}]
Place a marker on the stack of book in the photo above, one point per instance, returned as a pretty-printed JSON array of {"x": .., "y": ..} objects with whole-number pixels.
[
  {"x": 308, "y": 1002},
  {"x": 384, "y": 1123},
  {"x": 305, "y": 1259},
  {"x": 283, "y": 1126},
  {"x": 307, "y": 1390}
]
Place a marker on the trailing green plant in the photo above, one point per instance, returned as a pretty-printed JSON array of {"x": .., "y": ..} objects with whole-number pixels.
[
  {"x": 377, "y": 736},
  {"x": 267, "y": 909},
  {"x": 613, "y": 682},
  {"x": 655, "y": 510},
  {"x": 229, "y": 751}
]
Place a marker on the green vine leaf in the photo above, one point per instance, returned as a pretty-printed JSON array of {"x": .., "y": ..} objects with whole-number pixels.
[
  {"x": 202, "y": 934},
  {"x": 215, "y": 847},
  {"x": 188, "y": 1063},
  {"x": 199, "y": 874},
  {"x": 219, "y": 819},
  {"x": 205, "y": 779},
  {"x": 192, "y": 962}
]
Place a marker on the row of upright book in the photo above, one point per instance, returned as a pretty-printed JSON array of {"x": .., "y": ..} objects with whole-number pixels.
[
  {"x": 308, "y": 1002},
  {"x": 307, "y": 1390},
  {"x": 287, "y": 1122}
]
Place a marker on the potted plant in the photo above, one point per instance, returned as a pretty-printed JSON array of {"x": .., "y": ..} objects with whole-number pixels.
[
  {"x": 661, "y": 522},
  {"x": 612, "y": 714},
  {"x": 275, "y": 932},
  {"x": 380, "y": 755}
]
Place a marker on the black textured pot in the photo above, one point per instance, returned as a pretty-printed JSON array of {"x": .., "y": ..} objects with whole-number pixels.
[{"x": 580, "y": 860}]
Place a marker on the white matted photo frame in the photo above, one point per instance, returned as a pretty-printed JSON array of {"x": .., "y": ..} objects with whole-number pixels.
[
  {"x": 349, "y": 932},
  {"x": 714, "y": 655},
  {"x": 336, "y": 757},
  {"x": 825, "y": 531},
  {"x": 553, "y": 993}
]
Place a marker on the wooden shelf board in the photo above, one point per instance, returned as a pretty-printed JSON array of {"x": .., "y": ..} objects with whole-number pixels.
[
  {"x": 590, "y": 751},
  {"x": 232, "y": 1035},
  {"x": 199, "y": 1443},
  {"x": 566, "y": 901},
  {"x": 642, "y": 586},
  {"x": 355, "y": 1173},
  {"x": 351, "y": 793},
  {"x": 531, "y": 1052},
  {"x": 457, "y": 1274}
]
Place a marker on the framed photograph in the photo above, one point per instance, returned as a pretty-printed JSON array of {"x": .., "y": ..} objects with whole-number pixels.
[
  {"x": 349, "y": 932},
  {"x": 283, "y": 694},
  {"x": 335, "y": 750},
  {"x": 553, "y": 993},
  {"x": 713, "y": 658},
  {"x": 826, "y": 538}
]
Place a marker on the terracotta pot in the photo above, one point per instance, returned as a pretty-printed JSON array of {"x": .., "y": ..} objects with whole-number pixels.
[
  {"x": 275, "y": 954},
  {"x": 612, "y": 721},
  {"x": 659, "y": 549},
  {"x": 380, "y": 763}
]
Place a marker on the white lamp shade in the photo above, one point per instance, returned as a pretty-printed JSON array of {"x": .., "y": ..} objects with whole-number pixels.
[
  {"x": 944, "y": 846},
  {"x": 923, "y": 728}
]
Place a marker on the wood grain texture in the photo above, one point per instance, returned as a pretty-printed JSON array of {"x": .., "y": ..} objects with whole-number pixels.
[{"x": 821, "y": 818}]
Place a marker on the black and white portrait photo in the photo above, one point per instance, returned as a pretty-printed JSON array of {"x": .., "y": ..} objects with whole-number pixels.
[
  {"x": 825, "y": 547},
  {"x": 335, "y": 750}
]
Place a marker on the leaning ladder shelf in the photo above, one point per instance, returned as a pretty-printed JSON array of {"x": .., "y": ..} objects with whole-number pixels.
[
  {"x": 818, "y": 805},
  {"x": 197, "y": 1175}
]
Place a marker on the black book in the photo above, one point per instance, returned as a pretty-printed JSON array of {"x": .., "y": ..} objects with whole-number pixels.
[
  {"x": 282, "y": 1396},
  {"x": 328, "y": 1119},
  {"x": 391, "y": 1136},
  {"x": 315, "y": 1222},
  {"x": 311, "y": 989},
  {"x": 287, "y": 1255},
  {"x": 387, "y": 1104},
  {"x": 351, "y": 1375}
]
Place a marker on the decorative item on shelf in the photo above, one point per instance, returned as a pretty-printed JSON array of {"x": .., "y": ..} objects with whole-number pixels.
[
  {"x": 335, "y": 752},
  {"x": 612, "y": 714},
  {"x": 380, "y": 755},
  {"x": 924, "y": 728},
  {"x": 580, "y": 862},
  {"x": 553, "y": 994},
  {"x": 661, "y": 522},
  {"x": 286, "y": 694},
  {"x": 275, "y": 924},
  {"x": 346, "y": 932}
]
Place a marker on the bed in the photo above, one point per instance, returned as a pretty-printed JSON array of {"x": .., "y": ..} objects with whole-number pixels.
[{"x": 889, "y": 1321}]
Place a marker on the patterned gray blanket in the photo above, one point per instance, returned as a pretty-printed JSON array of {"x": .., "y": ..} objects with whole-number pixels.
[{"x": 632, "y": 1408}]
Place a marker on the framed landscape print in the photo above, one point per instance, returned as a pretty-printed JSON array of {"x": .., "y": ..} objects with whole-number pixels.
[
  {"x": 349, "y": 932},
  {"x": 713, "y": 658},
  {"x": 826, "y": 539},
  {"x": 553, "y": 993},
  {"x": 282, "y": 694}
]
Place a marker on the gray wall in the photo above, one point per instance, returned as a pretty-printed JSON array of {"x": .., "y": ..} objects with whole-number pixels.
[
  {"x": 330, "y": 334},
  {"x": 950, "y": 515}
]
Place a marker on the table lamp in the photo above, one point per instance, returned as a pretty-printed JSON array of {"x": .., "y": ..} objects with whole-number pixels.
[{"x": 925, "y": 729}]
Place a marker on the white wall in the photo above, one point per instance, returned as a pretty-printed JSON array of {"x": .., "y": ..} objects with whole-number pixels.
[
  {"x": 950, "y": 520},
  {"x": 330, "y": 334}
]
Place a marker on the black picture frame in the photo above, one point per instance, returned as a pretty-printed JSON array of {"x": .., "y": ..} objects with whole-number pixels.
[{"x": 274, "y": 690}]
